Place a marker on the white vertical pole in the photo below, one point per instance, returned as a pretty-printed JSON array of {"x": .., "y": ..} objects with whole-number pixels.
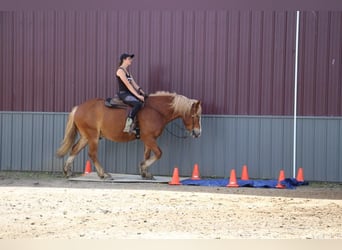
[{"x": 295, "y": 98}]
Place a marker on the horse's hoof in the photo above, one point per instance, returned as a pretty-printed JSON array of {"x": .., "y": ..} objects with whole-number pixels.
[
  {"x": 147, "y": 176},
  {"x": 68, "y": 174},
  {"x": 108, "y": 176}
]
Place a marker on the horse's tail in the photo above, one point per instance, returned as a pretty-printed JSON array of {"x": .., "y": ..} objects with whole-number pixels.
[{"x": 70, "y": 135}]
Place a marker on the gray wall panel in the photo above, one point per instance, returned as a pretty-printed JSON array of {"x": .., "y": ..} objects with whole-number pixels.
[
  {"x": 287, "y": 137},
  {"x": 277, "y": 153},
  {"x": 241, "y": 133},
  {"x": 27, "y": 149},
  {"x": 305, "y": 142},
  {"x": 134, "y": 152},
  {"x": 29, "y": 142},
  {"x": 6, "y": 141},
  {"x": 1, "y": 144},
  {"x": 58, "y": 134},
  {"x": 219, "y": 159},
  {"x": 265, "y": 145},
  {"x": 48, "y": 140},
  {"x": 16, "y": 139},
  {"x": 333, "y": 150},
  {"x": 229, "y": 124},
  {"x": 37, "y": 143},
  {"x": 320, "y": 149},
  {"x": 205, "y": 147},
  {"x": 253, "y": 147},
  {"x": 338, "y": 173}
]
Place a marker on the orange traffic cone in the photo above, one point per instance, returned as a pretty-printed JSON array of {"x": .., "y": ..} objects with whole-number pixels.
[
  {"x": 175, "y": 178},
  {"x": 232, "y": 179},
  {"x": 87, "y": 168},
  {"x": 281, "y": 178},
  {"x": 300, "y": 175},
  {"x": 195, "y": 173},
  {"x": 244, "y": 175}
]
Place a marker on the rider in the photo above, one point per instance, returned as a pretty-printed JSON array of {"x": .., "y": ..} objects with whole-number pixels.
[{"x": 129, "y": 91}]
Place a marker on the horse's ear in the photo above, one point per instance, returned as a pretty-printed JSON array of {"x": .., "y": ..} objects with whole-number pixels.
[{"x": 196, "y": 105}]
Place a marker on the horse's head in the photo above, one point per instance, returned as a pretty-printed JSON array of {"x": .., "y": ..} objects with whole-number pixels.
[
  {"x": 192, "y": 120},
  {"x": 189, "y": 110}
]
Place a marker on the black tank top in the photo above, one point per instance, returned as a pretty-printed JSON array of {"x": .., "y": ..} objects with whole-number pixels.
[{"x": 122, "y": 86}]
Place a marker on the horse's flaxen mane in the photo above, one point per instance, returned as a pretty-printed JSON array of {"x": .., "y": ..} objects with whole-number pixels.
[
  {"x": 180, "y": 103},
  {"x": 163, "y": 93}
]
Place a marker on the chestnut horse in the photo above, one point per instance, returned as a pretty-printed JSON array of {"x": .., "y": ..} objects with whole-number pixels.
[{"x": 93, "y": 120}]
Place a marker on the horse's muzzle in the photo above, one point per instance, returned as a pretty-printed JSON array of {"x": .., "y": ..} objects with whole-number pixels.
[{"x": 196, "y": 132}]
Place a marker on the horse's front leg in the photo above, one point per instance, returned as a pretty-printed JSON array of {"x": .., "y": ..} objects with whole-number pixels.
[
  {"x": 147, "y": 155},
  {"x": 148, "y": 160}
]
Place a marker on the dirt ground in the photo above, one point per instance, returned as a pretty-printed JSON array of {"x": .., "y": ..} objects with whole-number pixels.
[{"x": 47, "y": 206}]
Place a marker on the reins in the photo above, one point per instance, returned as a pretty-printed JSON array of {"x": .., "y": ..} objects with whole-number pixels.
[
  {"x": 181, "y": 128},
  {"x": 177, "y": 136}
]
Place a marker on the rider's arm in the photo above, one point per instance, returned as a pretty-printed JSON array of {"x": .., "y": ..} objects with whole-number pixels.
[
  {"x": 131, "y": 88},
  {"x": 137, "y": 87}
]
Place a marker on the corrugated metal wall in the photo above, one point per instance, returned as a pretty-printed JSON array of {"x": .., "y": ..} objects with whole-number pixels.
[
  {"x": 28, "y": 142},
  {"x": 239, "y": 63},
  {"x": 320, "y": 68},
  {"x": 236, "y": 62}
]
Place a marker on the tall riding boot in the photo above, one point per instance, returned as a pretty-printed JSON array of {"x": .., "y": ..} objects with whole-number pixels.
[{"x": 129, "y": 122}]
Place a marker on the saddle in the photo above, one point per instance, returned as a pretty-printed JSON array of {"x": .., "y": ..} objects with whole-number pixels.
[{"x": 116, "y": 103}]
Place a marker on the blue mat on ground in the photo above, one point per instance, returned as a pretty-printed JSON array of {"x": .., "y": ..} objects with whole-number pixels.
[{"x": 289, "y": 183}]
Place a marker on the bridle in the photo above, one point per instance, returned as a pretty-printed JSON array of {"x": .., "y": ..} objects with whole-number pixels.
[{"x": 182, "y": 128}]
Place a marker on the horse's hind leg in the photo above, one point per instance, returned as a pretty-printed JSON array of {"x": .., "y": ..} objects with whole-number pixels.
[
  {"x": 81, "y": 143},
  {"x": 92, "y": 152}
]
